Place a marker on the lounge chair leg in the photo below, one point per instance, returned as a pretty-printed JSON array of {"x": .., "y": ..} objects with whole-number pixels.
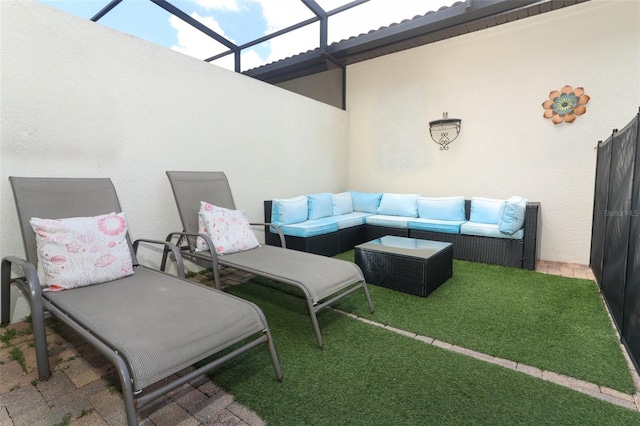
[
  {"x": 31, "y": 289},
  {"x": 215, "y": 271},
  {"x": 40, "y": 336},
  {"x": 127, "y": 392},
  {"x": 314, "y": 322},
  {"x": 274, "y": 356},
  {"x": 368, "y": 296},
  {"x": 5, "y": 294}
]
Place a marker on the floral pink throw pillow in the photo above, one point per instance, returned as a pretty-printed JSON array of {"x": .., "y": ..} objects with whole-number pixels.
[
  {"x": 80, "y": 251},
  {"x": 201, "y": 245},
  {"x": 229, "y": 230}
]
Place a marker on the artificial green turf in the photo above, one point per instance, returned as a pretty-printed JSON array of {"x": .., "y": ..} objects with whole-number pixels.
[
  {"x": 365, "y": 375},
  {"x": 554, "y": 323}
]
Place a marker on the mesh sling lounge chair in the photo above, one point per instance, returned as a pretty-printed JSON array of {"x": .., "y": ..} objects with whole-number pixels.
[
  {"x": 150, "y": 325},
  {"x": 322, "y": 280}
]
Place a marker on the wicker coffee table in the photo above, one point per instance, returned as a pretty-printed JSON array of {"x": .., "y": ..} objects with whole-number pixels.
[{"x": 405, "y": 264}]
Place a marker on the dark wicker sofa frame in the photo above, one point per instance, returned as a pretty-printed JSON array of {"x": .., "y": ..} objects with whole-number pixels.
[{"x": 522, "y": 253}]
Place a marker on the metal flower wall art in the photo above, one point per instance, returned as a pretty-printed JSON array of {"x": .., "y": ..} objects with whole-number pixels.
[{"x": 565, "y": 105}]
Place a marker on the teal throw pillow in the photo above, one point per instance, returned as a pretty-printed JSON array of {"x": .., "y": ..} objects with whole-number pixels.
[{"x": 511, "y": 217}]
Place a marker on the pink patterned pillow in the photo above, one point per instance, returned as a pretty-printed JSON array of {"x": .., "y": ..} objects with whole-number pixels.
[
  {"x": 80, "y": 251},
  {"x": 229, "y": 230},
  {"x": 201, "y": 245}
]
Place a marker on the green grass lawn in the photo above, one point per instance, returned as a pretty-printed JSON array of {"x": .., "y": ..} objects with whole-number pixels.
[
  {"x": 365, "y": 375},
  {"x": 550, "y": 322}
]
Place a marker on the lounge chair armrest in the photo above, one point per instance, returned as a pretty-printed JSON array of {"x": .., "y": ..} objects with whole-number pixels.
[
  {"x": 211, "y": 250},
  {"x": 30, "y": 278},
  {"x": 167, "y": 246},
  {"x": 192, "y": 234},
  {"x": 283, "y": 243},
  {"x": 205, "y": 237}
]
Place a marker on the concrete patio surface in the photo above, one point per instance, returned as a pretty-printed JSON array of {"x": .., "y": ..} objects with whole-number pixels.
[{"x": 81, "y": 390}]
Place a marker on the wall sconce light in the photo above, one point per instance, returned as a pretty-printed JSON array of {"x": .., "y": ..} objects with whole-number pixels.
[{"x": 440, "y": 130}]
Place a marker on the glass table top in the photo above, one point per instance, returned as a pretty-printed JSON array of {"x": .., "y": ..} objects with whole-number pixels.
[{"x": 404, "y": 246}]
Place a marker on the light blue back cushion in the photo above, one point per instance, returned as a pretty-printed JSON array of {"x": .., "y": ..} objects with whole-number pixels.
[
  {"x": 286, "y": 211},
  {"x": 443, "y": 208},
  {"x": 319, "y": 205},
  {"x": 341, "y": 203},
  {"x": 399, "y": 205},
  {"x": 511, "y": 217},
  {"x": 485, "y": 210},
  {"x": 367, "y": 202}
]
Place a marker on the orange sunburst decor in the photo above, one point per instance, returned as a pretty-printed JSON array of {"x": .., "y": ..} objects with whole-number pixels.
[{"x": 565, "y": 104}]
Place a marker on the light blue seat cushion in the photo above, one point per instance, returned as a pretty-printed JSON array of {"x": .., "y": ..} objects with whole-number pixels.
[
  {"x": 319, "y": 205},
  {"x": 511, "y": 217},
  {"x": 388, "y": 221},
  {"x": 285, "y": 211},
  {"x": 485, "y": 210},
  {"x": 341, "y": 203},
  {"x": 488, "y": 230},
  {"x": 399, "y": 205},
  {"x": 310, "y": 228},
  {"x": 441, "y": 208},
  {"x": 365, "y": 201},
  {"x": 350, "y": 220},
  {"x": 446, "y": 226}
]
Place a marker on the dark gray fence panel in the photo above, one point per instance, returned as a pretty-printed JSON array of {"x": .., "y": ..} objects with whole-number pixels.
[
  {"x": 631, "y": 322},
  {"x": 601, "y": 191},
  {"x": 616, "y": 239}
]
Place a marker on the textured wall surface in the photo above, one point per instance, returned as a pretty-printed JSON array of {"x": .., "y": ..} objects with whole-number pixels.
[
  {"x": 80, "y": 99},
  {"x": 495, "y": 80}
]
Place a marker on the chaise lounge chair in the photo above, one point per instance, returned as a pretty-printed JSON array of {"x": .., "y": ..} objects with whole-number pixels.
[
  {"x": 322, "y": 280},
  {"x": 150, "y": 324}
]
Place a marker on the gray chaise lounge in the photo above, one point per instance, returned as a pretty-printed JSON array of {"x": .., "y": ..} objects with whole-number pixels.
[
  {"x": 150, "y": 325},
  {"x": 322, "y": 280}
]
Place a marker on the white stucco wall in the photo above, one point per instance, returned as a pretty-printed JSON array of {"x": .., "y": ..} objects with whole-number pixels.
[
  {"x": 82, "y": 100},
  {"x": 495, "y": 80},
  {"x": 79, "y": 99}
]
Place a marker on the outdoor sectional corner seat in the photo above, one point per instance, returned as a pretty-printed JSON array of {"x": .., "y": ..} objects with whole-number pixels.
[{"x": 501, "y": 232}]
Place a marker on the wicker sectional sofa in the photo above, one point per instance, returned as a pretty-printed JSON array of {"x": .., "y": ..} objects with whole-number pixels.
[{"x": 329, "y": 231}]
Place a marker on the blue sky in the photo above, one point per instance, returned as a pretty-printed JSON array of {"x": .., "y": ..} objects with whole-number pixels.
[{"x": 241, "y": 21}]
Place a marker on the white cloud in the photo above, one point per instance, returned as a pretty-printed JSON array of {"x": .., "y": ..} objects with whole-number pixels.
[
  {"x": 355, "y": 21},
  {"x": 231, "y": 5},
  {"x": 194, "y": 42},
  {"x": 283, "y": 14},
  {"x": 279, "y": 14},
  {"x": 250, "y": 59}
]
